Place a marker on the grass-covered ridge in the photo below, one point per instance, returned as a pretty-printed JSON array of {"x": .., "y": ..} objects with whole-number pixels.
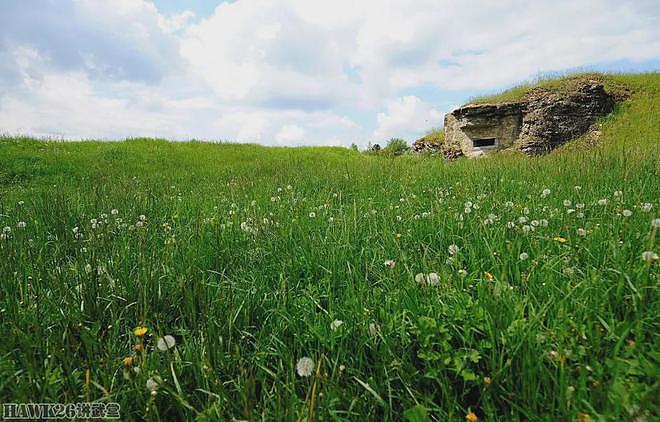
[
  {"x": 246, "y": 255},
  {"x": 618, "y": 85}
]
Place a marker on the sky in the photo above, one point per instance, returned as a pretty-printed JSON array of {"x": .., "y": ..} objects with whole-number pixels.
[{"x": 293, "y": 72}]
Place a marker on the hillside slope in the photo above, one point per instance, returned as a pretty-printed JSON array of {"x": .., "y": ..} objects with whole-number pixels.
[{"x": 519, "y": 288}]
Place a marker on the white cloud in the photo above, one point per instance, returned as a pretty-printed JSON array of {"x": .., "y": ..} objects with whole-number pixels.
[
  {"x": 290, "y": 134},
  {"x": 291, "y": 71},
  {"x": 407, "y": 117}
]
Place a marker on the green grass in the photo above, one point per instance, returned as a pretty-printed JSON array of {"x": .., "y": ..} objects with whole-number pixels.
[
  {"x": 615, "y": 84},
  {"x": 573, "y": 328}
]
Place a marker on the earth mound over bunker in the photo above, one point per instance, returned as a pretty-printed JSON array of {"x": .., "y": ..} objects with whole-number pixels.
[{"x": 543, "y": 119}]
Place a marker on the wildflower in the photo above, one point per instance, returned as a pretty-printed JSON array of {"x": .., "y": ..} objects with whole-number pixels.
[
  {"x": 567, "y": 202},
  {"x": 334, "y": 325},
  {"x": 545, "y": 193},
  {"x": 544, "y": 223},
  {"x": 305, "y": 366},
  {"x": 627, "y": 213},
  {"x": 165, "y": 343},
  {"x": 433, "y": 279},
  {"x": 578, "y": 187},
  {"x": 420, "y": 279},
  {"x": 646, "y": 207},
  {"x": 152, "y": 385},
  {"x": 453, "y": 249},
  {"x": 374, "y": 329},
  {"x": 510, "y": 224},
  {"x": 128, "y": 361},
  {"x": 581, "y": 232},
  {"x": 522, "y": 220},
  {"x": 649, "y": 256},
  {"x": 559, "y": 239},
  {"x": 114, "y": 211},
  {"x": 618, "y": 194},
  {"x": 508, "y": 204},
  {"x": 656, "y": 223},
  {"x": 389, "y": 264},
  {"x": 583, "y": 417},
  {"x": 488, "y": 276},
  {"x": 94, "y": 223},
  {"x": 487, "y": 380},
  {"x": 142, "y": 217},
  {"x": 312, "y": 214},
  {"x": 21, "y": 224},
  {"x": 526, "y": 228},
  {"x": 523, "y": 256},
  {"x": 462, "y": 273},
  {"x": 6, "y": 230},
  {"x": 602, "y": 202},
  {"x": 471, "y": 417},
  {"x": 140, "y": 331}
]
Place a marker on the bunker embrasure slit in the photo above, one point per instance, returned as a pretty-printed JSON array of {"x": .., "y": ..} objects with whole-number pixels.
[{"x": 483, "y": 142}]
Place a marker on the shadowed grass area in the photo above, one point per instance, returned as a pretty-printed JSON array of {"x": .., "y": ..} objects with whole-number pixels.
[{"x": 546, "y": 306}]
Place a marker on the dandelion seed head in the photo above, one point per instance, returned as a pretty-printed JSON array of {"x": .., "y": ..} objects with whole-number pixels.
[
  {"x": 305, "y": 367},
  {"x": 649, "y": 256},
  {"x": 334, "y": 325},
  {"x": 165, "y": 343}
]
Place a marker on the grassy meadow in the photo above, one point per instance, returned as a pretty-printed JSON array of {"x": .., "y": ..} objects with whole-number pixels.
[{"x": 504, "y": 288}]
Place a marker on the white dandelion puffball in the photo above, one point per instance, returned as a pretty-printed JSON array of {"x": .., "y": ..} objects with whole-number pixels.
[
  {"x": 581, "y": 232},
  {"x": 312, "y": 214},
  {"x": 602, "y": 202},
  {"x": 165, "y": 343},
  {"x": 21, "y": 224},
  {"x": 649, "y": 256},
  {"x": 646, "y": 207},
  {"x": 453, "y": 249},
  {"x": 433, "y": 279},
  {"x": 373, "y": 329},
  {"x": 545, "y": 192},
  {"x": 420, "y": 279},
  {"x": 334, "y": 325},
  {"x": 656, "y": 223},
  {"x": 627, "y": 213},
  {"x": 305, "y": 367},
  {"x": 523, "y": 256},
  {"x": 389, "y": 264},
  {"x": 152, "y": 384}
]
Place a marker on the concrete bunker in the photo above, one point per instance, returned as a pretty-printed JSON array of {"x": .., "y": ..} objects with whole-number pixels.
[{"x": 541, "y": 120}]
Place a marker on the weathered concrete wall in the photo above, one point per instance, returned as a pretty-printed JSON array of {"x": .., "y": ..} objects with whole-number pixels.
[
  {"x": 470, "y": 123},
  {"x": 544, "y": 119}
]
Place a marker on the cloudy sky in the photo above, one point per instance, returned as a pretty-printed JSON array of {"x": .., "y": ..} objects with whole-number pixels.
[{"x": 293, "y": 72}]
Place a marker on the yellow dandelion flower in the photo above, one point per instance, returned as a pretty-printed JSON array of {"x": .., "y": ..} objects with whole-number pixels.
[
  {"x": 488, "y": 276},
  {"x": 487, "y": 380},
  {"x": 583, "y": 417},
  {"x": 140, "y": 331},
  {"x": 559, "y": 239},
  {"x": 471, "y": 417},
  {"x": 128, "y": 361}
]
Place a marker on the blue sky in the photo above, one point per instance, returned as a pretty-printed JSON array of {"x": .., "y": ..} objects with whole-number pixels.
[{"x": 293, "y": 72}]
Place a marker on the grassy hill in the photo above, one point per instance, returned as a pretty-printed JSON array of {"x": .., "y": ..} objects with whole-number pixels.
[{"x": 545, "y": 305}]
